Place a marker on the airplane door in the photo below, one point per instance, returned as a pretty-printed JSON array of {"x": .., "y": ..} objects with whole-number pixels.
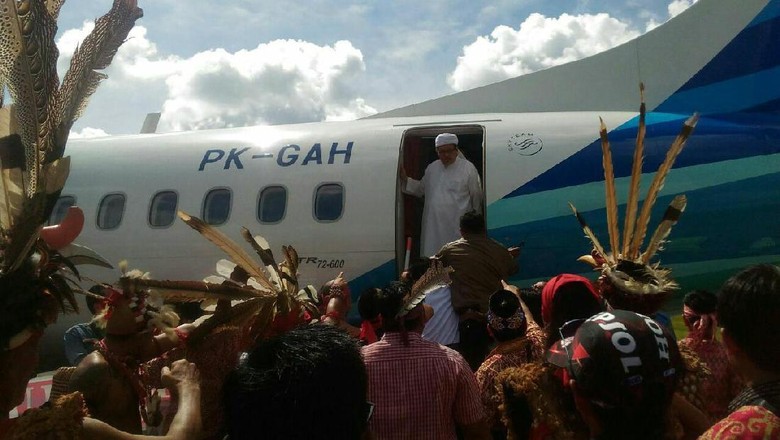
[{"x": 416, "y": 153}]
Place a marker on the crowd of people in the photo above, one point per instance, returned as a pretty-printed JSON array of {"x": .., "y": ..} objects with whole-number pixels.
[
  {"x": 449, "y": 351},
  {"x": 575, "y": 367}
]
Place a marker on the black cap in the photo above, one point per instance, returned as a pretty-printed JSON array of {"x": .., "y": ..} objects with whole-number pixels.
[{"x": 617, "y": 357}]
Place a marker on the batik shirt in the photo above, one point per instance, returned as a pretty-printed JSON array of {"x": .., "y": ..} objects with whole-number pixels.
[
  {"x": 507, "y": 354},
  {"x": 753, "y": 415},
  {"x": 723, "y": 384}
]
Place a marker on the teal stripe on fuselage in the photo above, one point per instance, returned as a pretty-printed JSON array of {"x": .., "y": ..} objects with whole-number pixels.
[{"x": 589, "y": 196}]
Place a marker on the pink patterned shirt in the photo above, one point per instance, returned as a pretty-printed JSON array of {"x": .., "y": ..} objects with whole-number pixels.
[{"x": 421, "y": 391}]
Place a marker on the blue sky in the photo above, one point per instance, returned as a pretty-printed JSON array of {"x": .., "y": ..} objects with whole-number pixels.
[{"x": 207, "y": 64}]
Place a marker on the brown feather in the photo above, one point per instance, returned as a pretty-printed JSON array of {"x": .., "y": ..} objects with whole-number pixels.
[
  {"x": 95, "y": 53},
  {"x": 238, "y": 315},
  {"x": 591, "y": 236},
  {"x": 188, "y": 291},
  {"x": 670, "y": 218},
  {"x": 658, "y": 183},
  {"x": 236, "y": 254},
  {"x": 609, "y": 188},
  {"x": 436, "y": 276},
  {"x": 30, "y": 73},
  {"x": 636, "y": 175},
  {"x": 261, "y": 248}
]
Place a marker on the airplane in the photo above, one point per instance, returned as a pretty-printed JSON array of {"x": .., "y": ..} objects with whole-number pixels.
[{"x": 332, "y": 190}]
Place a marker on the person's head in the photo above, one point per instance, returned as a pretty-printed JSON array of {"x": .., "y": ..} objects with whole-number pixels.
[
  {"x": 446, "y": 148},
  {"x": 390, "y": 300},
  {"x": 505, "y": 317},
  {"x": 698, "y": 305},
  {"x": 472, "y": 222},
  {"x": 748, "y": 312},
  {"x": 624, "y": 369},
  {"x": 307, "y": 383},
  {"x": 95, "y": 304},
  {"x": 368, "y": 304},
  {"x": 567, "y": 297}
]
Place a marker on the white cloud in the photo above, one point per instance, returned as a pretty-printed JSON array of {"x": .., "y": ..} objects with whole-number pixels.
[
  {"x": 539, "y": 43},
  {"x": 87, "y": 132},
  {"x": 283, "y": 81},
  {"x": 678, "y": 6}
]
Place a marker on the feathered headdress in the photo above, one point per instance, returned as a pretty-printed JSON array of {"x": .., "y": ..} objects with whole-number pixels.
[
  {"x": 411, "y": 309},
  {"x": 629, "y": 280},
  {"x": 33, "y": 133},
  {"x": 262, "y": 295}
]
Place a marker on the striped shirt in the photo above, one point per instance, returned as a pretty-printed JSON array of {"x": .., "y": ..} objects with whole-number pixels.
[{"x": 421, "y": 391}]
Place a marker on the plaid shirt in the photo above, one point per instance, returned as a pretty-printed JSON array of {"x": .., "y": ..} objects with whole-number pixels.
[{"x": 421, "y": 391}]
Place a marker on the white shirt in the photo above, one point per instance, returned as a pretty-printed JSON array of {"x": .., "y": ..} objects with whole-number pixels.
[
  {"x": 449, "y": 193},
  {"x": 443, "y": 326}
]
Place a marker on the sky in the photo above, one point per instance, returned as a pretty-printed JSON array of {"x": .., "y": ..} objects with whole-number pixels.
[{"x": 206, "y": 64}]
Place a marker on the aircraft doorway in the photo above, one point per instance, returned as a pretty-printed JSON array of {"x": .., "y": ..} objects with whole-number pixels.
[{"x": 417, "y": 152}]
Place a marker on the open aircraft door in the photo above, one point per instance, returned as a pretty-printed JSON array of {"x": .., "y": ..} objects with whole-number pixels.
[{"x": 416, "y": 152}]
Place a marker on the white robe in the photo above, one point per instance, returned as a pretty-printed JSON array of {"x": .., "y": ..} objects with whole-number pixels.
[
  {"x": 449, "y": 193},
  {"x": 443, "y": 326}
]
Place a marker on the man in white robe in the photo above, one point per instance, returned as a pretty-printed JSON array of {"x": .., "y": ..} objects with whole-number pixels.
[{"x": 451, "y": 187}]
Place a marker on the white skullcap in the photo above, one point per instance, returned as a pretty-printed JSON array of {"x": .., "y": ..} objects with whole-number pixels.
[{"x": 446, "y": 139}]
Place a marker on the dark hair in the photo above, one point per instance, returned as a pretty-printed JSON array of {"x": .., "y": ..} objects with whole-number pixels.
[
  {"x": 749, "y": 309},
  {"x": 308, "y": 383},
  {"x": 368, "y": 303},
  {"x": 571, "y": 301},
  {"x": 533, "y": 300},
  {"x": 701, "y": 301},
  {"x": 646, "y": 420},
  {"x": 504, "y": 304},
  {"x": 390, "y": 299},
  {"x": 472, "y": 222}
]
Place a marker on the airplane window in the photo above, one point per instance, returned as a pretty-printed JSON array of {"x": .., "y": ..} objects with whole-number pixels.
[
  {"x": 216, "y": 206},
  {"x": 329, "y": 202},
  {"x": 162, "y": 211},
  {"x": 110, "y": 211},
  {"x": 60, "y": 209},
  {"x": 272, "y": 204}
]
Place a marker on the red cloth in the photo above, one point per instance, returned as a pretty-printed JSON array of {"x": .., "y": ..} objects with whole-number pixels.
[
  {"x": 555, "y": 283},
  {"x": 421, "y": 391}
]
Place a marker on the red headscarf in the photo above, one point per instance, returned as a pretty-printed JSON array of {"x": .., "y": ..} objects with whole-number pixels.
[{"x": 555, "y": 283}]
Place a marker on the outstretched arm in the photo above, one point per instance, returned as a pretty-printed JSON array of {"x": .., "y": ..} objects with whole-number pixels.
[{"x": 183, "y": 378}]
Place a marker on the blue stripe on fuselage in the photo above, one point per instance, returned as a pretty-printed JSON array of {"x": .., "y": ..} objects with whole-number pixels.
[
  {"x": 728, "y": 221},
  {"x": 716, "y": 138}
]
